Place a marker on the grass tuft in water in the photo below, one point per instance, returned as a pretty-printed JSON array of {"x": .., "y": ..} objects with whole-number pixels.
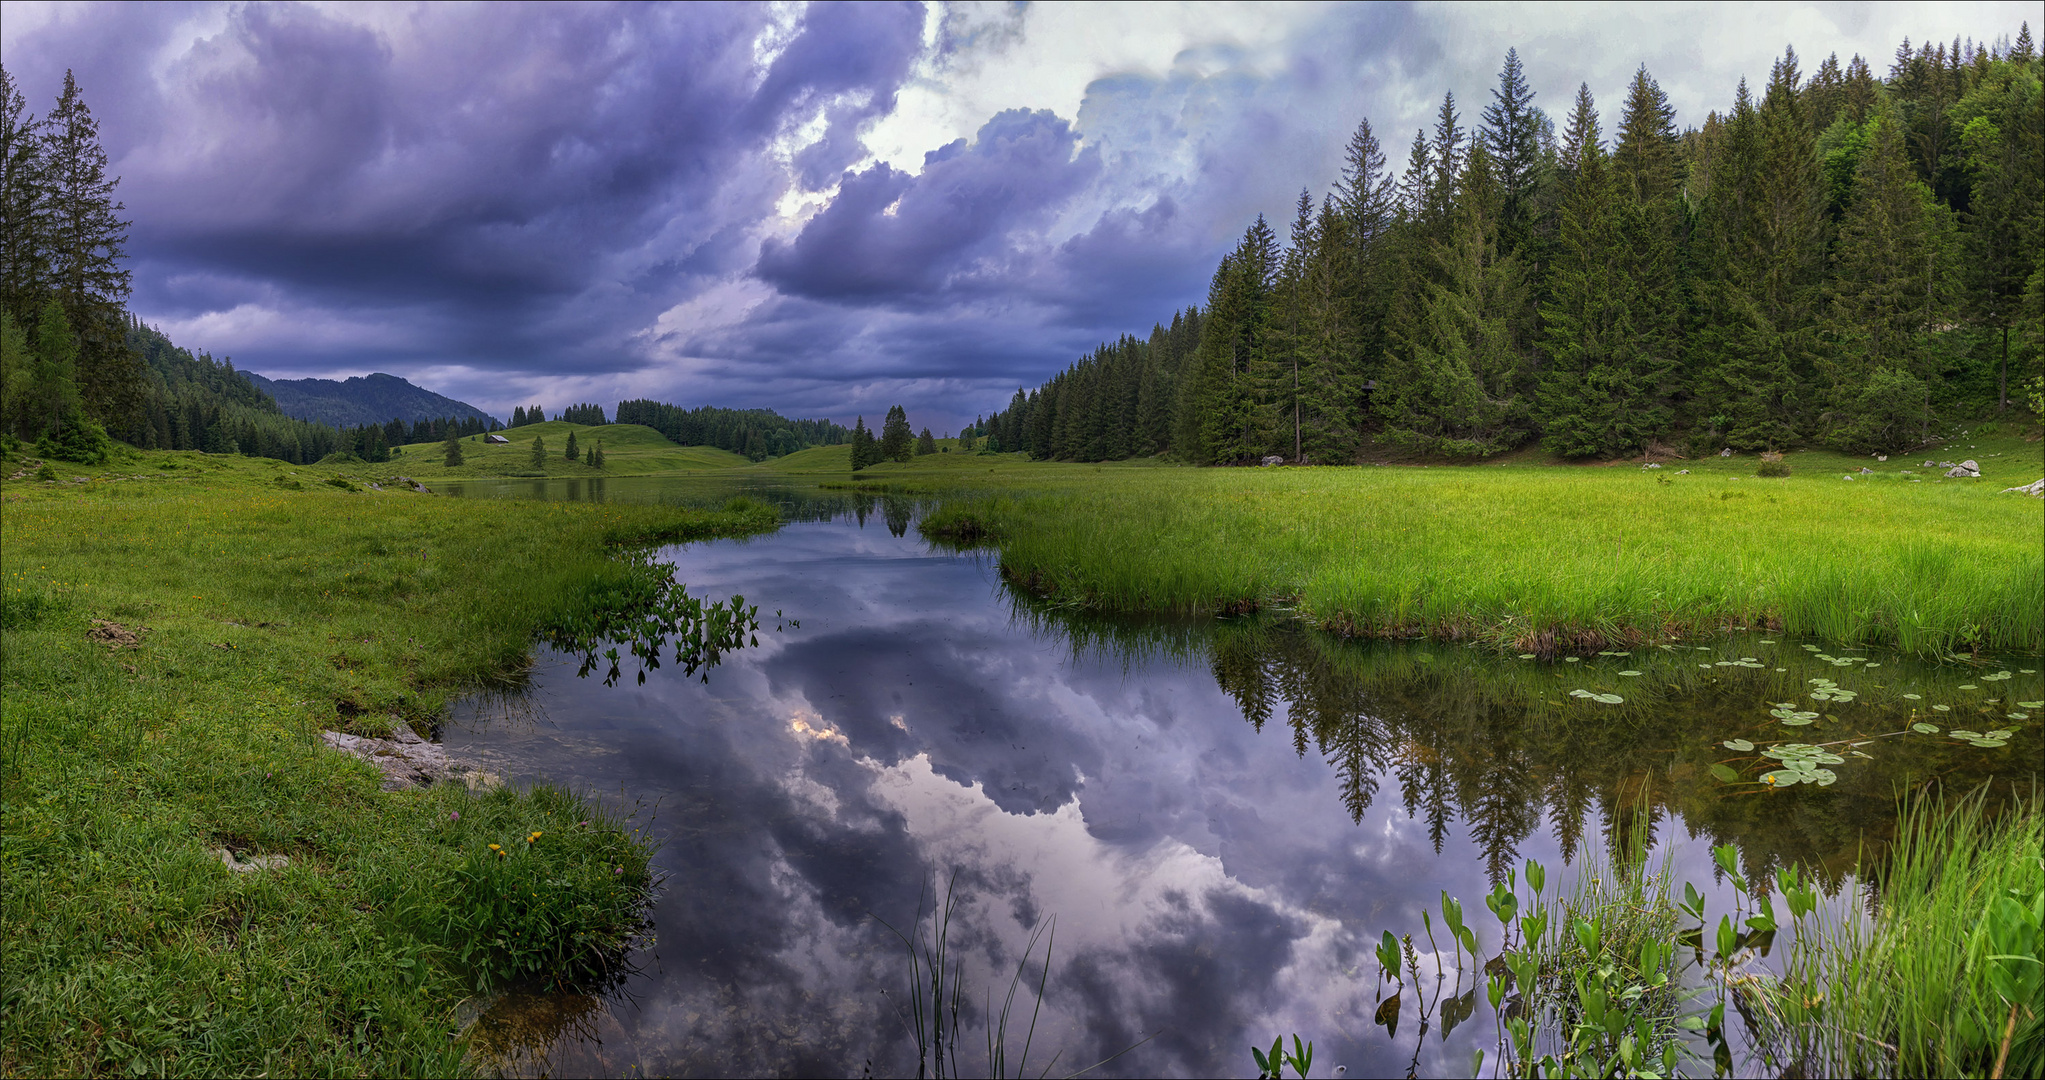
[{"x": 1944, "y": 980}]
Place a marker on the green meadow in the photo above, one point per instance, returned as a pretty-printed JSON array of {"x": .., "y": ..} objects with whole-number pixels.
[
  {"x": 1528, "y": 555},
  {"x": 257, "y": 604}
]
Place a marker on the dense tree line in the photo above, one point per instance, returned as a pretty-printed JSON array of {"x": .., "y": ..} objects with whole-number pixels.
[
  {"x": 399, "y": 433},
  {"x": 76, "y": 369},
  {"x": 759, "y": 434},
  {"x": 1839, "y": 259},
  {"x": 591, "y": 415},
  {"x": 66, "y": 370}
]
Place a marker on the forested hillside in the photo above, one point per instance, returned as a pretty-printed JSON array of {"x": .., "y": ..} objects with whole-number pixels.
[
  {"x": 757, "y": 433},
  {"x": 363, "y": 399},
  {"x": 77, "y": 370},
  {"x": 1839, "y": 258}
]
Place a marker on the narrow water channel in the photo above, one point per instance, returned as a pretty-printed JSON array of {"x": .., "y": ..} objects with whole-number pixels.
[{"x": 1213, "y": 820}]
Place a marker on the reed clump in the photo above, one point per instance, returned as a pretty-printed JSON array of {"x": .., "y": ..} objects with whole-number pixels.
[{"x": 1944, "y": 979}]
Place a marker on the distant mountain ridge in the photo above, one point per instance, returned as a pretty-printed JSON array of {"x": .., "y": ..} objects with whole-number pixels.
[{"x": 361, "y": 399}]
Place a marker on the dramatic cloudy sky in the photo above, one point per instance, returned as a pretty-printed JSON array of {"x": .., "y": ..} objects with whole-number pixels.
[{"x": 823, "y": 209}]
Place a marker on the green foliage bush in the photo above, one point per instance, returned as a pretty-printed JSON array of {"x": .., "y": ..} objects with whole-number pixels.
[
  {"x": 1773, "y": 468},
  {"x": 79, "y": 440},
  {"x": 1889, "y": 414}
]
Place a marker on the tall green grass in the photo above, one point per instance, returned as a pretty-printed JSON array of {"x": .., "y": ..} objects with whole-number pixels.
[
  {"x": 1944, "y": 980},
  {"x": 1540, "y": 560}
]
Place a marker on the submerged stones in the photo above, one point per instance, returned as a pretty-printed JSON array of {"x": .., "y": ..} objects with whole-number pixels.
[{"x": 406, "y": 760}]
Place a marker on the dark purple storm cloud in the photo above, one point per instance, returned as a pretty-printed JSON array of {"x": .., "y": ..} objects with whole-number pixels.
[
  {"x": 890, "y": 237},
  {"x": 519, "y": 202}
]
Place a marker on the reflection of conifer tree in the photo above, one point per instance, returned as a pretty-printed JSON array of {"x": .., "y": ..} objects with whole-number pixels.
[
  {"x": 1329, "y": 703},
  {"x": 1239, "y": 670},
  {"x": 1629, "y": 816},
  {"x": 862, "y": 505},
  {"x": 1503, "y": 811},
  {"x": 897, "y": 513},
  {"x": 1434, "y": 795},
  {"x": 1569, "y": 803}
]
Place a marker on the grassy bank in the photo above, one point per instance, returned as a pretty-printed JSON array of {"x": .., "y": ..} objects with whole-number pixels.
[
  {"x": 265, "y": 604},
  {"x": 1533, "y": 557}
]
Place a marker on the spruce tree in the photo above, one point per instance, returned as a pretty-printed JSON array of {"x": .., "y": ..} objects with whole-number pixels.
[
  {"x": 1367, "y": 204},
  {"x": 599, "y": 460},
  {"x": 571, "y": 454},
  {"x": 1232, "y": 345},
  {"x": 1332, "y": 360},
  {"x": 1279, "y": 378},
  {"x": 539, "y": 453},
  {"x": 862, "y": 445},
  {"x": 1764, "y": 241},
  {"x": 50, "y": 400},
  {"x": 26, "y": 228},
  {"x": 926, "y": 443},
  {"x": 1453, "y": 387},
  {"x": 896, "y": 443},
  {"x": 452, "y": 448},
  {"x": 1511, "y": 133},
  {"x": 88, "y": 242},
  {"x": 1583, "y": 387},
  {"x": 1646, "y": 173},
  {"x": 2005, "y": 223},
  {"x": 1885, "y": 294}
]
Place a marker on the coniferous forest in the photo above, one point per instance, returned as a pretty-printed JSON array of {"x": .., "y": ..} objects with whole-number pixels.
[
  {"x": 1839, "y": 257},
  {"x": 77, "y": 370}
]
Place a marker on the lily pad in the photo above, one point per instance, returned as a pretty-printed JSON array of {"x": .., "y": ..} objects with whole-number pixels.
[
  {"x": 1629, "y": 673},
  {"x": 1942, "y": 708},
  {"x": 2031, "y": 704},
  {"x": 2018, "y": 715},
  {"x": 1741, "y": 745},
  {"x": 1997, "y": 677},
  {"x": 1925, "y": 729},
  {"x": 1970, "y": 686},
  {"x": 1609, "y": 699},
  {"x": 1725, "y": 773},
  {"x": 1914, "y": 697},
  {"x": 1526, "y": 656}
]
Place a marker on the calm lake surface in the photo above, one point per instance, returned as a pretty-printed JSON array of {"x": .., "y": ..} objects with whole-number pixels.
[{"x": 1222, "y": 816}]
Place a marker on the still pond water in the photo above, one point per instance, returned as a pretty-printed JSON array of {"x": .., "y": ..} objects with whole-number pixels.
[{"x": 1222, "y": 816}]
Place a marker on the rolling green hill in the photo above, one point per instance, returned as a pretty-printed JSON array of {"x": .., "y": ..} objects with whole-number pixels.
[{"x": 629, "y": 450}]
